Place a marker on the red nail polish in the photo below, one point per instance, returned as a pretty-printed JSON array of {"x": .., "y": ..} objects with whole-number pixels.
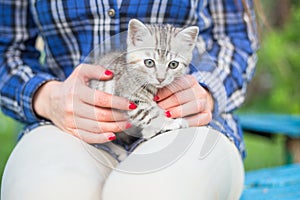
[
  {"x": 128, "y": 125},
  {"x": 168, "y": 114},
  {"x": 112, "y": 137},
  {"x": 108, "y": 72},
  {"x": 155, "y": 98},
  {"x": 132, "y": 106}
]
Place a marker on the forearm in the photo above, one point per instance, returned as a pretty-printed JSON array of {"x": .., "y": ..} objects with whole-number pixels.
[
  {"x": 20, "y": 70},
  {"x": 228, "y": 63},
  {"x": 17, "y": 91}
]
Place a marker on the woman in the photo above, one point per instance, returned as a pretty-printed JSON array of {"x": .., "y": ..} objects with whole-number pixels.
[{"x": 54, "y": 160}]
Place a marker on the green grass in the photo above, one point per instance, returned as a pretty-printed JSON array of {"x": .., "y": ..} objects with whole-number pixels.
[
  {"x": 264, "y": 152},
  {"x": 8, "y": 134}
]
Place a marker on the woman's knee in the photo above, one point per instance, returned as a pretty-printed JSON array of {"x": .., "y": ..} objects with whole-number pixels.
[
  {"x": 55, "y": 166},
  {"x": 208, "y": 168},
  {"x": 49, "y": 184}
]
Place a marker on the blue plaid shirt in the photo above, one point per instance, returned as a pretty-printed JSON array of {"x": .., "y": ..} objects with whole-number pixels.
[{"x": 72, "y": 28}]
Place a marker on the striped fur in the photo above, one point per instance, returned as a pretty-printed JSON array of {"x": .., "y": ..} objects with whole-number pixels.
[{"x": 135, "y": 78}]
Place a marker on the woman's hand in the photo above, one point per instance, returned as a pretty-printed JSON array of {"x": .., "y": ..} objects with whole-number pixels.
[
  {"x": 88, "y": 114},
  {"x": 186, "y": 98}
]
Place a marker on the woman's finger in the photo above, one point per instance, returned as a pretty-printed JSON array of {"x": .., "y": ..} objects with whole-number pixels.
[
  {"x": 103, "y": 99},
  {"x": 100, "y": 127},
  {"x": 181, "y": 97},
  {"x": 189, "y": 108},
  {"x": 200, "y": 119},
  {"x": 93, "y": 138},
  {"x": 177, "y": 85},
  {"x": 99, "y": 114},
  {"x": 87, "y": 72}
]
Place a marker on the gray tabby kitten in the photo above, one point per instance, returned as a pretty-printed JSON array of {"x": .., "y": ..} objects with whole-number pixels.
[{"x": 156, "y": 55}]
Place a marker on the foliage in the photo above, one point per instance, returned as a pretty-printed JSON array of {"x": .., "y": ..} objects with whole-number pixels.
[
  {"x": 8, "y": 137},
  {"x": 276, "y": 87}
]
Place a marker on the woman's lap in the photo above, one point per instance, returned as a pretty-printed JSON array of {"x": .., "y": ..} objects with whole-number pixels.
[
  {"x": 191, "y": 164},
  {"x": 206, "y": 166},
  {"x": 50, "y": 164}
]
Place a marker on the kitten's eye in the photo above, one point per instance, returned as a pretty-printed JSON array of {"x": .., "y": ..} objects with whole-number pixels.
[
  {"x": 173, "y": 64},
  {"x": 149, "y": 63}
]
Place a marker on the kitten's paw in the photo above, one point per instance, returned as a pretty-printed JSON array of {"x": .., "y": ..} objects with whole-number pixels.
[
  {"x": 168, "y": 125},
  {"x": 175, "y": 124},
  {"x": 149, "y": 132}
]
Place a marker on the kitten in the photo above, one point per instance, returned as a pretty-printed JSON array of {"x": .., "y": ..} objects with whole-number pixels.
[{"x": 155, "y": 56}]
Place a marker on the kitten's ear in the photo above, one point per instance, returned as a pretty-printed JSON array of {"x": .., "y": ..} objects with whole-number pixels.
[
  {"x": 189, "y": 35},
  {"x": 137, "y": 32}
]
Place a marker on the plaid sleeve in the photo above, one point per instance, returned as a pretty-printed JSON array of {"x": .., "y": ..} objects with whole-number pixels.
[
  {"x": 230, "y": 58},
  {"x": 19, "y": 61}
]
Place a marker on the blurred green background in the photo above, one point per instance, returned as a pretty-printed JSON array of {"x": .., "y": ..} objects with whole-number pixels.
[
  {"x": 276, "y": 84},
  {"x": 275, "y": 88}
]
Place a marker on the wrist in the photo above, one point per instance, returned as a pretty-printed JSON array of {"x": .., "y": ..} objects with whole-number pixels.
[
  {"x": 42, "y": 98},
  {"x": 210, "y": 101},
  {"x": 210, "y": 98}
]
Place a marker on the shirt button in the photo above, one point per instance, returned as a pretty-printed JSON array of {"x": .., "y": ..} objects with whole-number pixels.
[{"x": 111, "y": 12}]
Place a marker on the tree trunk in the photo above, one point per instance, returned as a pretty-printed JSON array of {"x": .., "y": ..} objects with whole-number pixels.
[{"x": 281, "y": 12}]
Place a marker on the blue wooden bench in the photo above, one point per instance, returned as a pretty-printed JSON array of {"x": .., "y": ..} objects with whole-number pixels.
[
  {"x": 288, "y": 125},
  {"x": 278, "y": 183}
]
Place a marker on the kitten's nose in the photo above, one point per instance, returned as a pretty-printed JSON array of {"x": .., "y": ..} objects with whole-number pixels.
[{"x": 160, "y": 80}]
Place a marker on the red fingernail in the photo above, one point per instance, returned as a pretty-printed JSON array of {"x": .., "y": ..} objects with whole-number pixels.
[
  {"x": 132, "y": 106},
  {"x": 155, "y": 98},
  {"x": 108, "y": 72},
  {"x": 128, "y": 125},
  {"x": 112, "y": 137},
  {"x": 168, "y": 114}
]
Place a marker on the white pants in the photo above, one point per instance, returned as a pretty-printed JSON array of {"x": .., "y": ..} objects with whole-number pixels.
[{"x": 190, "y": 164}]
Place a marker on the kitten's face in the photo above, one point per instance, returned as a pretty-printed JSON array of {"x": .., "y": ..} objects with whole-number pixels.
[{"x": 159, "y": 54}]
